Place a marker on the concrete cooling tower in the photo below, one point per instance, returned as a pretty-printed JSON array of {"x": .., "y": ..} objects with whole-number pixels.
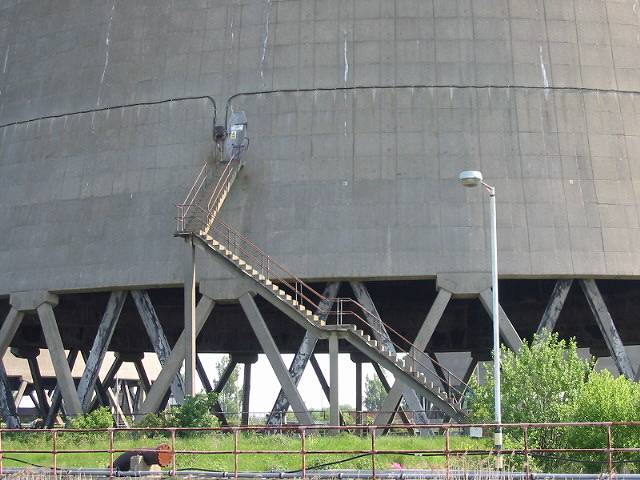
[{"x": 318, "y": 145}]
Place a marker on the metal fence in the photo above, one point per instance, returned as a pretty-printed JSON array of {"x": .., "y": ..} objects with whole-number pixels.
[{"x": 612, "y": 455}]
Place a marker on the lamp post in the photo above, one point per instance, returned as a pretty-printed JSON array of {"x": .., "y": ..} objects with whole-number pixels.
[{"x": 471, "y": 178}]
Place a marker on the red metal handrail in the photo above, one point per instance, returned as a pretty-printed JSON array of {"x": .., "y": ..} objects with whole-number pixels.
[
  {"x": 524, "y": 450},
  {"x": 203, "y": 220}
]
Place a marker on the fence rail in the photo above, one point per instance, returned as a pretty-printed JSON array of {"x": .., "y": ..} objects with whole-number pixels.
[{"x": 522, "y": 449}]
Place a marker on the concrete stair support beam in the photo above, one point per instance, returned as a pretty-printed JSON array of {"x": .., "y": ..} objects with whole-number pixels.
[
  {"x": 334, "y": 368},
  {"x": 190, "y": 316}
]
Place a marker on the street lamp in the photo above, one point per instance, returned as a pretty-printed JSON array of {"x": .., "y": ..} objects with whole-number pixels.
[{"x": 470, "y": 178}]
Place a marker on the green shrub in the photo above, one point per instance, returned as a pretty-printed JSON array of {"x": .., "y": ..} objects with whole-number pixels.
[
  {"x": 604, "y": 398},
  {"x": 99, "y": 418},
  {"x": 195, "y": 412}
]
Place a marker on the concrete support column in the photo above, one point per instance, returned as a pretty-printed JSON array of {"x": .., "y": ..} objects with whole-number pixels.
[
  {"x": 53, "y": 340},
  {"x": 190, "y": 328},
  {"x": 554, "y": 306},
  {"x": 304, "y": 353},
  {"x": 607, "y": 327},
  {"x": 9, "y": 328},
  {"x": 273, "y": 355},
  {"x": 100, "y": 345},
  {"x": 246, "y": 359},
  {"x": 358, "y": 393},
  {"x": 334, "y": 400},
  {"x": 31, "y": 356},
  {"x": 43, "y": 401},
  {"x": 246, "y": 393},
  {"x": 172, "y": 364},
  {"x": 7, "y": 403},
  {"x": 508, "y": 333},
  {"x": 420, "y": 344},
  {"x": 56, "y": 401},
  {"x": 158, "y": 339}
]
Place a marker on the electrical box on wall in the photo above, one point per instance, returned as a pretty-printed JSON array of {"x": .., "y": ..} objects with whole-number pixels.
[{"x": 237, "y": 138}]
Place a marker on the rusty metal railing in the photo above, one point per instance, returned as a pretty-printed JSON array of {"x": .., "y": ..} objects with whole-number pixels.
[
  {"x": 522, "y": 449},
  {"x": 344, "y": 310},
  {"x": 195, "y": 211},
  {"x": 199, "y": 216}
]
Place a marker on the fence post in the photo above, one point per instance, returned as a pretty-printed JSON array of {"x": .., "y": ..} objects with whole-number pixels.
[
  {"x": 527, "y": 469},
  {"x": 447, "y": 446},
  {"x": 609, "y": 452},
  {"x": 111, "y": 453},
  {"x": 54, "y": 453},
  {"x": 373, "y": 453},
  {"x": 235, "y": 453},
  {"x": 174, "y": 469},
  {"x": 1, "y": 455},
  {"x": 303, "y": 451}
]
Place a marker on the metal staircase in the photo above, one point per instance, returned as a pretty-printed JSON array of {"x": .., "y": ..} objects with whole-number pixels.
[{"x": 353, "y": 323}]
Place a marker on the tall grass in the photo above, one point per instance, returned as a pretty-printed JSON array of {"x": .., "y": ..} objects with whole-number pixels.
[{"x": 318, "y": 443}]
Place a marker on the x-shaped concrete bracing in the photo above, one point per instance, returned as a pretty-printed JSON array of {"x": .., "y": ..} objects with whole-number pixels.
[
  {"x": 81, "y": 400},
  {"x": 601, "y": 314},
  {"x": 449, "y": 286}
]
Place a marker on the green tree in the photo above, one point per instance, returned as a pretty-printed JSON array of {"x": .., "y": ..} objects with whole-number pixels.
[
  {"x": 230, "y": 398},
  {"x": 538, "y": 382},
  {"x": 374, "y": 393},
  {"x": 605, "y": 399}
]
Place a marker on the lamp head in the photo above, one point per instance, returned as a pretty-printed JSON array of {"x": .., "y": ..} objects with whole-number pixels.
[{"x": 470, "y": 178}]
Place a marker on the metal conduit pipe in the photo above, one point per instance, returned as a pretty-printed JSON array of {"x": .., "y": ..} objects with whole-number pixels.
[{"x": 349, "y": 474}]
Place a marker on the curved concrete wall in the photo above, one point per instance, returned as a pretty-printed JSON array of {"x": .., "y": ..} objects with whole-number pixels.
[{"x": 540, "y": 95}]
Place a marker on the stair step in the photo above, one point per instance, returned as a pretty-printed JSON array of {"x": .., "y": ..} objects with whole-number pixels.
[
  {"x": 288, "y": 298},
  {"x": 360, "y": 333}
]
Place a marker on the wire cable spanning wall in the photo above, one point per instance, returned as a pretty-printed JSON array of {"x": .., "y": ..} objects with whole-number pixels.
[{"x": 229, "y": 100}]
